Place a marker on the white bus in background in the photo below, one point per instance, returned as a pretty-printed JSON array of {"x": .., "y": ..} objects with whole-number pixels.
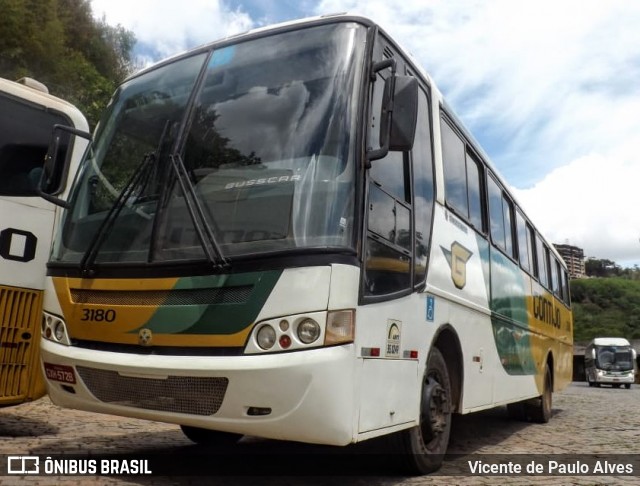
[
  {"x": 27, "y": 117},
  {"x": 289, "y": 234},
  {"x": 610, "y": 361}
]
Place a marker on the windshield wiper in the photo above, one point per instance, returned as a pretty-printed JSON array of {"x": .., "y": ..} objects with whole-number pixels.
[
  {"x": 140, "y": 174},
  {"x": 203, "y": 229}
]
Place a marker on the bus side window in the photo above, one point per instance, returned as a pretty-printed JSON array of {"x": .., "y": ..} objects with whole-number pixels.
[
  {"x": 523, "y": 242},
  {"x": 25, "y": 132},
  {"x": 474, "y": 190},
  {"x": 565, "y": 286},
  {"x": 455, "y": 174},
  {"x": 501, "y": 218},
  {"x": 423, "y": 188},
  {"x": 553, "y": 267},
  {"x": 542, "y": 262},
  {"x": 507, "y": 208},
  {"x": 462, "y": 177}
]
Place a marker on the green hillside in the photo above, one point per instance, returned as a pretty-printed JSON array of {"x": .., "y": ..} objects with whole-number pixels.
[{"x": 606, "y": 307}]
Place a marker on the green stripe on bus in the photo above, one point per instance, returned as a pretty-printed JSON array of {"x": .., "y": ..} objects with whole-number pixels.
[{"x": 217, "y": 318}]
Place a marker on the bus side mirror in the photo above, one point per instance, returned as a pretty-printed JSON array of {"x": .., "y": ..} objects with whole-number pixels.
[
  {"x": 399, "y": 116},
  {"x": 56, "y": 163},
  {"x": 404, "y": 115}
]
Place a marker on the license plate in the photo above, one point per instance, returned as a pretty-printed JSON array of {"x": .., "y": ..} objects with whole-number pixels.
[
  {"x": 60, "y": 373},
  {"x": 616, "y": 379}
]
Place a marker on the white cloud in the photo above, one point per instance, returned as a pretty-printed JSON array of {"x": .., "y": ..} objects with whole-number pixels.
[
  {"x": 592, "y": 203},
  {"x": 168, "y": 27}
]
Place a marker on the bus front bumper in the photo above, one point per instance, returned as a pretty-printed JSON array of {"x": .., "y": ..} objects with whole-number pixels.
[
  {"x": 613, "y": 378},
  {"x": 303, "y": 396}
]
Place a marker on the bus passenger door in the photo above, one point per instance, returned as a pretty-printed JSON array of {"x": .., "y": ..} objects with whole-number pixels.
[{"x": 393, "y": 333}]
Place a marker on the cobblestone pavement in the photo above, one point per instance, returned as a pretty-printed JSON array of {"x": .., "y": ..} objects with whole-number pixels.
[{"x": 593, "y": 421}]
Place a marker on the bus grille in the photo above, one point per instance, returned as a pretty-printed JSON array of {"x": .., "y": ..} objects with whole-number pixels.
[
  {"x": 19, "y": 313},
  {"x": 177, "y": 394},
  {"x": 222, "y": 295}
]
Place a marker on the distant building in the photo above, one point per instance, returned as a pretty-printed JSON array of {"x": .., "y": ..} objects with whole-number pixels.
[{"x": 574, "y": 258}]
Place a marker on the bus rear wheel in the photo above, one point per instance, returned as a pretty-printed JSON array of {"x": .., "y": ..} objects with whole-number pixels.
[
  {"x": 210, "y": 437},
  {"x": 539, "y": 409},
  {"x": 423, "y": 447}
]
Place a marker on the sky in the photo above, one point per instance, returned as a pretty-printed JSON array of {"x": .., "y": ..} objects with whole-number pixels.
[{"x": 550, "y": 89}]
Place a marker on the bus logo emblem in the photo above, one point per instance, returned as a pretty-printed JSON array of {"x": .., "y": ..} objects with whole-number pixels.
[
  {"x": 145, "y": 337},
  {"x": 457, "y": 259}
]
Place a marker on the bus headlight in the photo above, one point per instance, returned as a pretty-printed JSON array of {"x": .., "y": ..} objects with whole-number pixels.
[
  {"x": 308, "y": 331},
  {"x": 58, "y": 331},
  {"x": 266, "y": 337},
  {"x": 302, "y": 331},
  {"x": 54, "y": 329}
]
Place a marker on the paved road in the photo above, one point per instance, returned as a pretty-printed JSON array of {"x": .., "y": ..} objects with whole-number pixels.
[{"x": 592, "y": 421}]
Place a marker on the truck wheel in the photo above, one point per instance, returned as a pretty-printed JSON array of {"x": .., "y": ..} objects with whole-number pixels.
[
  {"x": 422, "y": 448},
  {"x": 627, "y": 385}
]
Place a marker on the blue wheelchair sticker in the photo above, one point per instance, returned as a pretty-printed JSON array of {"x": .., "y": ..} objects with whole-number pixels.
[{"x": 431, "y": 306}]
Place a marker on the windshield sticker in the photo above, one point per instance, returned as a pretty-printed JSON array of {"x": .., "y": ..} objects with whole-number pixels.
[
  {"x": 264, "y": 181},
  {"x": 222, "y": 56}
]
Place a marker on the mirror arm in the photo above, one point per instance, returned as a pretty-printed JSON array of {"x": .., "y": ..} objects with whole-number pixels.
[
  {"x": 380, "y": 65},
  {"x": 379, "y": 153},
  {"x": 52, "y": 199},
  {"x": 73, "y": 131}
]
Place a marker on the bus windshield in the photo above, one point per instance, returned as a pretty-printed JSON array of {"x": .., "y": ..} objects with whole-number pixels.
[
  {"x": 248, "y": 147},
  {"x": 614, "y": 358}
]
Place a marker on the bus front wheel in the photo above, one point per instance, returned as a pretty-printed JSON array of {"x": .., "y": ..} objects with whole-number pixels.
[
  {"x": 423, "y": 447},
  {"x": 210, "y": 437}
]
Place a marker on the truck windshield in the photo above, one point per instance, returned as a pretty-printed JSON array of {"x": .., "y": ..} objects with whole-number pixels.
[
  {"x": 263, "y": 133},
  {"x": 614, "y": 358}
]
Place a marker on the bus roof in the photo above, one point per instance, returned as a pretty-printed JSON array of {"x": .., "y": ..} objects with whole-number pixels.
[
  {"x": 37, "y": 97},
  {"x": 609, "y": 341}
]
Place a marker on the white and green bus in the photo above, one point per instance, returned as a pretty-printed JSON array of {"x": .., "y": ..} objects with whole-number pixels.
[
  {"x": 28, "y": 115},
  {"x": 288, "y": 234}
]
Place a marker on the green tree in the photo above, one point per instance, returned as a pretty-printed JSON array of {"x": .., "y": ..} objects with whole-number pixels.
[
  {"x": 61, "y": 44},
  {"x": 606, "y": 307}
]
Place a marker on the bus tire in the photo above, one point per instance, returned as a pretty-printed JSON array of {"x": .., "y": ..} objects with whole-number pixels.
[
  {"x": 210, "y": 437},
  {"x": 539, "y": 409},
  {"x": 422, "y": 448}
]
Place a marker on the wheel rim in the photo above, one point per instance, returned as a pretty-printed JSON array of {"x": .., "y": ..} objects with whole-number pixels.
[{"x": 435, "y": 410}]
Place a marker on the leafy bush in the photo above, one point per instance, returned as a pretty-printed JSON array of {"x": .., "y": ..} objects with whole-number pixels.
[{"x": 606, "y": 307}]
